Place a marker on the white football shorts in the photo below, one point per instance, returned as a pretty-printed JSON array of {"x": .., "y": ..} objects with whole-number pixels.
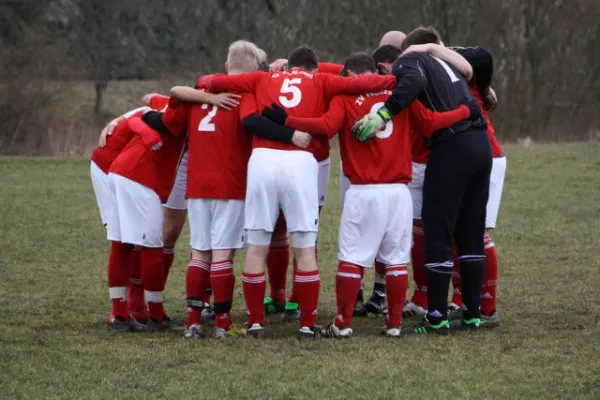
[
  {"x": 416, "y": 188},
  {"x": 103, "y": 192},
  {"x": 216, "y": 224},
  {"x": 344, "y": 185},
  {"x": 176, "y": 200},
  {"x": 376, "y": 225},
  {"x": 138, "y": 216},
  {"x": 286, "y": 180},
  {"x": 496, "y": 185}
]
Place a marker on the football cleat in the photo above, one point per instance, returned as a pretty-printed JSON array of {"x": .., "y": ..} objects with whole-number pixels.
[
  {"x": 392, "y": 331},
  {"x": 120, "y": 325},
  {"x": 291, "y": 312},
  {"x": 194, "y": 331},
  {"x": 273, "y": 307},
  {"x": 426, "y": 327},
  {"x": 256, "y": 331},
  {"x": 111, "y": 318},
  {"x": 376, "y": 304},
  {"x": 309, "y": 333},
  {"x": 208, "y": 312},
  {"x": 155, "y": 325},
  {"x": 413, "y": 310},
  {"x": 455, "y": 312},
  {"x": 490, "y": 321},
  {"x": 332, "y": 331}
]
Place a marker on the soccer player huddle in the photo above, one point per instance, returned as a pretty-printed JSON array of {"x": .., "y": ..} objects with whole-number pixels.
[{"x": 245, "y": 155}]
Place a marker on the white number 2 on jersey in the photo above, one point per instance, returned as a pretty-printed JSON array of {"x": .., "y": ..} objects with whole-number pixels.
[
  {"x": 289, "y": 88},
  {"x": 205, "y": 124},
  {"x": 389, "y": 126},
  {"x": 451, "y": 74}
]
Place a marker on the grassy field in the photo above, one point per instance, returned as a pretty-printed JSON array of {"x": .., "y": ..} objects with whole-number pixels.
[{"x": 54, "y": 342}]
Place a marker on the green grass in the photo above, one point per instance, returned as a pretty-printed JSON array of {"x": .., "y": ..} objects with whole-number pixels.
[{"x": 54, "y": 342}]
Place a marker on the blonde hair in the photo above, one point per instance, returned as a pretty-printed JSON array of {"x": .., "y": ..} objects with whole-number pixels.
[
  {"x": 243, "y": 56},
  {"x": 262, "y": 56}
]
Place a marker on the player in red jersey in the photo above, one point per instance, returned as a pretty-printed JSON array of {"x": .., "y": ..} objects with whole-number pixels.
[
  {"x": 141, "y": 177},
  {"x": 279, "y": 250},
  {"x": 112, "y": 140},
  {"x": 283, "y": 176},
  {"x": 377, "y": 215},
  {"x": 219, "y": 149}
]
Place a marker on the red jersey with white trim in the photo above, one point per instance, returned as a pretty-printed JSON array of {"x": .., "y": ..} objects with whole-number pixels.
[
  {"x": 301, "y": 93},
  {"x": 387, "y": 157},
  {"x": 496, "y": 149},
  {"x": 153, "y": 169},
  {"x": 218, "y": 149},
  {"x": 104, "y": 156}
]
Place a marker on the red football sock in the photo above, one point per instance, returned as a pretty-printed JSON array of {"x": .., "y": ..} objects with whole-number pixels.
[
  {"x": 396, "y": 281},
  {"x": 277, "y": 267},
  {"x": 197, "y": 278},
  {"x": 294, "y": 296},
  {"x": 118, "y": 272},
  {"x": 255, "y": 286},
  {"x": 456, "y": 282},
  {"x": 135, "y": 294},
  {"x": 153, "y": 278},
  {"x": 222, "y": 280},
  {"x": 168, "y": 257},
  {"x": 347, "y": 285},
  {"x": 307, "y": 286},
  {"x": 418, "y": 267},
  {"x": 490, "y": 278}
]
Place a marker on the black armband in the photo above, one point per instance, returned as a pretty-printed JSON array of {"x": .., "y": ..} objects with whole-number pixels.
[
  {"x": 265, "y": 128},
  {"x": 154, "y": 120}
]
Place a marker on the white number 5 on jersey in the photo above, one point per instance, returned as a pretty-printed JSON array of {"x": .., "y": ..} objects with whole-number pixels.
[
  {"x": 205, "y": 124},
  {"x": 289, "y": 88},
  {"x": 389, "y": 126}
]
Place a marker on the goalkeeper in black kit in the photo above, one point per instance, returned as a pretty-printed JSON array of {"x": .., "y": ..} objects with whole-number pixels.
[{"x": 456, "y": 185}]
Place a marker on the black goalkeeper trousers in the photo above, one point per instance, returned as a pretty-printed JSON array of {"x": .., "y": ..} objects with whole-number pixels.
[{"x": 455, "y": 195}]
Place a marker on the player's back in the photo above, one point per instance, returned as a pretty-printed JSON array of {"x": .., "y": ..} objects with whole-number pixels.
[
  {"x": 154, "y": 169},
  {"x": 115, "y": 143},
  {"x": 219, "y": 149},
  {"x": 385, "y": 158},
  {"x": 446, "y": 90},
  {"x": 301, "y": 93}
]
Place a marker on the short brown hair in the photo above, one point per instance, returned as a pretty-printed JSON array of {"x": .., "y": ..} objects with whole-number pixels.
[
  {"x": 421, "y": 35},
  {"x": 359, "y": 63},
  {"x": 303, "y": 57}
]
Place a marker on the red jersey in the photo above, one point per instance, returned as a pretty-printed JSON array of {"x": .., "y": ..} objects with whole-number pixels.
[
  {"x": 387, "y": 157},
  {"x": 330, "y": 68},
  {"x": 419, "y": 147},
  {"x": 158, "y": 102},
  {"x": 104, "y": 156},
  {"x": 299, "y": 92},
  {"x": 218, "y": 148},
  {"x": 496, "y": 149},
  {"x": 153, "y": 169}
]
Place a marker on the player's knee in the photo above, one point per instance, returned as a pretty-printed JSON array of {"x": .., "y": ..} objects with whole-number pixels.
[
  {"x": 221, "y": 255},
  {"x": 202, "y": 255},
  {"x": 258, "y": 237},
  {"x": 303, "y": 240},
  {"x": 172, "y": 226}
]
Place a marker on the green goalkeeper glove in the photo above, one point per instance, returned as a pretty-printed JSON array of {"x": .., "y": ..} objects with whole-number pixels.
[{"x": 367, "y": 127}]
